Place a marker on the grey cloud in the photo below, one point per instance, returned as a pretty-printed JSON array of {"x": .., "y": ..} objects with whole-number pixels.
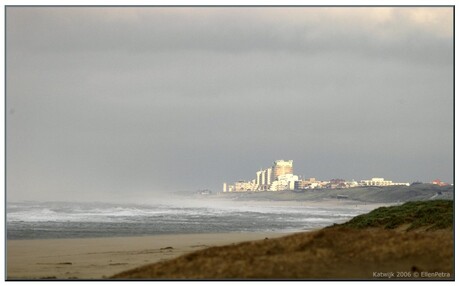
[
  {"x": 103, "y": 102},
  {"x": 239, "y": 30}
]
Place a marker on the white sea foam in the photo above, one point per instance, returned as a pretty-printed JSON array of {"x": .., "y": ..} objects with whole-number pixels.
[{"x": 61, "y": 219}]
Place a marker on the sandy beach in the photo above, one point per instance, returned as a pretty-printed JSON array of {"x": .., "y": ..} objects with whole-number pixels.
[
  {"x": 415, "y": 238},
  {"x": 99, "y": 258}
]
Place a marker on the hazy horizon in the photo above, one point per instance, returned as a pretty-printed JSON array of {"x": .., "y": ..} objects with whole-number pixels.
[{"x": 108, "y": 103}]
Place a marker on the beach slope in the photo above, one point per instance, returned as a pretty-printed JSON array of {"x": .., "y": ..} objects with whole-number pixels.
[{"x": 414, "y": 240}]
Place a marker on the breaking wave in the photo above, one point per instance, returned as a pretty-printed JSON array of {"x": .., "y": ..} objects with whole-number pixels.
[{"x": 32, "y": 220}]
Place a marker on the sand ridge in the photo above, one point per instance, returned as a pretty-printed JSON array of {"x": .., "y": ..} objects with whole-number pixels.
[
  {"x": 410, "y": 241},
  {"x": 331, "y": 253}
]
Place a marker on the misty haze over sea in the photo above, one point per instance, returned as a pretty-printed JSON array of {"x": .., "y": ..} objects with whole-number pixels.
[{"x": 39, "y": 220}]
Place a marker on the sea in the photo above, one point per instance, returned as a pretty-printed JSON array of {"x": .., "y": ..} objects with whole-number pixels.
[{"x": 44, "y": 220}]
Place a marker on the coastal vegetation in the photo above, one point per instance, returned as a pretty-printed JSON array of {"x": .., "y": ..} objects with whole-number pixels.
[
  {"x": 413, "y": 240},
  {"x": 430, "y": 215}
]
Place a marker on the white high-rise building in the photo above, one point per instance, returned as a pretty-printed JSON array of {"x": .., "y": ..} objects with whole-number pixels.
[
  {"x": 268, "y": 177},
  {"x": 258, "y": 179}
]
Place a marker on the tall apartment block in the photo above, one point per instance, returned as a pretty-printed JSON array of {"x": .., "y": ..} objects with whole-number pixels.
[
  {"x": 281, "y": 167},
  {"x": 265, "y": 179},
  {"x": 276, "y": 178}
]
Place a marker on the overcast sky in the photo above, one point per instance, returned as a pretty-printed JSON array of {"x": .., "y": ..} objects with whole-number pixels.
[{"x": 110, "y": 103}]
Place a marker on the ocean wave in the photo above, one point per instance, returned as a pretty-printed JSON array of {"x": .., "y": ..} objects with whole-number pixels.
[{"x": 63, "y": 219}]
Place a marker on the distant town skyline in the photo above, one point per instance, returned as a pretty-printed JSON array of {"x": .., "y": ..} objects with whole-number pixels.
[
  {"x": 111, "y": 103},
  {"x": 330, "y": 177},
  {"x": 281, "y": 177}
]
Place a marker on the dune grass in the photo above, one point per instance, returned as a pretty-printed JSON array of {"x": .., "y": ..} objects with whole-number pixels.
[{"x": 432, "y": 215}]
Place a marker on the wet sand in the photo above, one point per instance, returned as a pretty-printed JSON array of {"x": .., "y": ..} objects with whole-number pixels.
[{"x": 99, "y": 258}]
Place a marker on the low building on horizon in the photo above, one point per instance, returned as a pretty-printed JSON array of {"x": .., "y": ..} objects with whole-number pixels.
[
  {"x": 381, "y": 182},
  {"x": 439, "y": 183}
]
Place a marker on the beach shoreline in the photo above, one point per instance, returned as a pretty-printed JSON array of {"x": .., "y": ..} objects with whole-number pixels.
[
  {"x": 376, "y": 241},
  {"x": 99, "y": 258}
]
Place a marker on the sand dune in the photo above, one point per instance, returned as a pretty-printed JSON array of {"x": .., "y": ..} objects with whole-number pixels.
[
  {"x": 336, "y": 253},
  {"x": 414, "y": 240}
]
